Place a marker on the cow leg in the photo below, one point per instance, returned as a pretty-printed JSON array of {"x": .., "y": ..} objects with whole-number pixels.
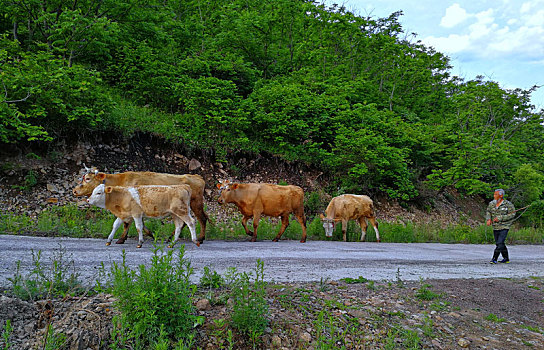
[
  {"x": 181, "y": 218},
  {"x": 364, "y": 225},
  {"x": 198, "y": 210},
  {"x": 116, "y": 225},
  {"x": 256, "y": 218},
  {"x": 344, "y": 229},
  {"x": 284, "y": 224},
  {"x": 174, "y": 232},
  {"x": 302, "y": 221},
  {"x": 124, "y": 235},
  {"x": 148, "y": 231},
  {"x": 244, "y": 223},
  {"x": 372, "y": 220},
  {"x": 139, "y": 227}
]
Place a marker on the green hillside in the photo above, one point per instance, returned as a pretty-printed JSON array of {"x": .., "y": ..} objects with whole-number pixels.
[{"x": 355, "y": 96}]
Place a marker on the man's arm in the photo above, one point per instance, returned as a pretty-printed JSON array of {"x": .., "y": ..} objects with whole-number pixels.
[{"x": 511, "y": 213}]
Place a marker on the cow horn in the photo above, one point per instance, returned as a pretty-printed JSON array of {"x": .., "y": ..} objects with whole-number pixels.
[{"x": 86, "y": 169}]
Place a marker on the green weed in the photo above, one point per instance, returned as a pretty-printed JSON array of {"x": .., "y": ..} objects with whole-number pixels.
[
  {"x": 410, "y": 339},
  {"x": 58, "y": 279},
  {"x": 324, "y": 284},
  {"x": 494, "y": 318},
  {"x": 53, "y": 340},
  {"x": 424, "y": 293},
  {"x": 427, "y": 326},
  {"x": 439, "y": 305},
  {"x": 211, "y": 279},
  {"x": 250, "y": 306},
  {"x": 350, "y": 280},
  {"x": 6, "y": 332},
  {"x": 154, "y": 299}
]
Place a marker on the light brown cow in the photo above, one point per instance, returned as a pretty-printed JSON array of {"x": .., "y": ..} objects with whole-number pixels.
[
  {"x": 350, "y": 207},
  {"x": 93, "y": 178},
  {"x": 135, "y": 203},
  {"x": 255, "y": 199}
]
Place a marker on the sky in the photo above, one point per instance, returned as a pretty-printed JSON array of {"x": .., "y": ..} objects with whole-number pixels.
[{"x": 503, "y": 40}]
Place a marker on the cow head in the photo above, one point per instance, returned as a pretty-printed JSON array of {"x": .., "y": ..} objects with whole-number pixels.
[
  {"x": 88, "y": 182},
  {"x": 225, "y": 191},
  {"x": 328, "y": 225},
  {"x": 98, "y": 197}
]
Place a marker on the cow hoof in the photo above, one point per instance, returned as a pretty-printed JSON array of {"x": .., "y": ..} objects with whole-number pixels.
[
  {"x": 275, "y": 240},
  {"x": 108, "y": 243},
  {"x": 253, "y": 239},
  {"x": 139, "y": 245},
  {"x": 120, "y": 241},
  {"x": 378, "y": 241},
  {"x": 197, "y": 243},
  {"x": 302, "y": 241},
  {"x": 249, "y": 233}
]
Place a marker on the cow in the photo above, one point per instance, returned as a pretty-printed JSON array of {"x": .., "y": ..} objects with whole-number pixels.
[
  {"x": 350, "y": 207},
  {"x": 93, "y": 178},
  {"x": 256, "y": 199},
  {"x": 135, "y": 203}
]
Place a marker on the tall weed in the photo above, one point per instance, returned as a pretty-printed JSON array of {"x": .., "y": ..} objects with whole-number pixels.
[
  {"x": 250, "y": 307},
  {"x": 155, "y": 299},
  {"x": 58, "y": 279}
]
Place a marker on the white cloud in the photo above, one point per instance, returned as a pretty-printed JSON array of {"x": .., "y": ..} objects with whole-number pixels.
[
  {"x": 455, "y": 15},
  {"x": 515, "y": 32}
]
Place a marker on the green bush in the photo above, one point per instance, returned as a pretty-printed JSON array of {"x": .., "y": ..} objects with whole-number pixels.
[{"x": 154, "y": 300}]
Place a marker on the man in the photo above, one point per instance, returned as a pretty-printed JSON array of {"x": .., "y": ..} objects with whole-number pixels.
[{"x": 500, "y": 213}]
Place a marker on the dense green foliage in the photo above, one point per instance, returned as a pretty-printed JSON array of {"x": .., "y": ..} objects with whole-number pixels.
[{"x": 353, "y": 95}]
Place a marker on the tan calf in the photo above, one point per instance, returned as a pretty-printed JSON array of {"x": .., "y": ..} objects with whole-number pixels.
[
  {"x": 135, "y": 203},
  {"x": 350, "y": 207},
  {"x": 93, "y": 178},
  {"x": 255, "y": 199}
]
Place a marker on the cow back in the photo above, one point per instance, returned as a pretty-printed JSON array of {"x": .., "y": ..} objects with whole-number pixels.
[
  {"x": 350, "y": 207},
  {"x": 149, "y": 201},
  {"x": 271, "y": 199}
]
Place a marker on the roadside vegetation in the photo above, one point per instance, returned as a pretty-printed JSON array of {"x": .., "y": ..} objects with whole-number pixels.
[
  {"x": 71, "y": 221},
  {"x": 158, "y": 307}
]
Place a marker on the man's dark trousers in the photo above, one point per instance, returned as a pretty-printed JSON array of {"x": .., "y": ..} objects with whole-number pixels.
[{"x": 500, "y": 238}]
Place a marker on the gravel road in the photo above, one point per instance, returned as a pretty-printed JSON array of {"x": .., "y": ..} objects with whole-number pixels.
[{"x": 288, "y": 261}]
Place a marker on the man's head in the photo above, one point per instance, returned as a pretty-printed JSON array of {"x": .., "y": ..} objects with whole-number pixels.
[{"x": 499, "y": 194}]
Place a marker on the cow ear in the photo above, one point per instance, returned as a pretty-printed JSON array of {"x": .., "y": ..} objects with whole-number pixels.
[
  {"x": 109, "y": 189},
  {"x": 322, "y": 216},
  {"x": 101, "y": 176},
  {"x": 233, "y": 186},
  {"x": 219, "y": 185}
]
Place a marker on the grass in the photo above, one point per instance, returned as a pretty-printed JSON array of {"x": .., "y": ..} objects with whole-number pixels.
[
  {"x": 425, "y": 293},
  {"x": 494, "y": 318},
  {"x": 71, "y": 221}
]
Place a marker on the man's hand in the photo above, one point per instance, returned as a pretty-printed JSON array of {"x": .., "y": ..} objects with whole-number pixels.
[{"x": 489, "y": 222}]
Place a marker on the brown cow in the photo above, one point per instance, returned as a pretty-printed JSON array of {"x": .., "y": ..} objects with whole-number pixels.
[
  {"x": 135, "y": 203},
  {"x": 350, "y": 207},
  {"x": 93, "y": 178},
  {"x": 255, "y": 199}
]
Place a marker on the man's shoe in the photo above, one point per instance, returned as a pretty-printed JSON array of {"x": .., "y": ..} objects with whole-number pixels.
[
  {"x": 505, "y": 261},
  {"x": 493, "y": 261}
]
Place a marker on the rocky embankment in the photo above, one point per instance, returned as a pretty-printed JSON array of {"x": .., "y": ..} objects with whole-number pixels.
[{"x": 32, "y": 181}]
